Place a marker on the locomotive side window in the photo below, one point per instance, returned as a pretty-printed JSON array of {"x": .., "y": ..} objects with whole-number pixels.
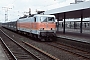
[{"x": 35, "y": 19}]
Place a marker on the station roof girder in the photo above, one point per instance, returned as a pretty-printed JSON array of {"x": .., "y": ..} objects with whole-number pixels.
[{"x": 72, "y": 11}]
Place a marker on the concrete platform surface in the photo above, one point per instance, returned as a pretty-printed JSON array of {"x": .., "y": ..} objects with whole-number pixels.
[
  {"x": 76, "y": 38},
  {"x": 3, "y": 56}
]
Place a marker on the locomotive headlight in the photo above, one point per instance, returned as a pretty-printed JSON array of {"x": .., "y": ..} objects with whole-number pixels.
[{"x": 52, "y": 29}]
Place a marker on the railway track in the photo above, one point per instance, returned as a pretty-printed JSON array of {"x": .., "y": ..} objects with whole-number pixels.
[
  {"x": 70, "y": 49},
  {"x": 43, "y": 52},
  {"x": 61, "y": 53},
  {"x": 17, "y": 51},
  {"x": 48, "y": 56}
]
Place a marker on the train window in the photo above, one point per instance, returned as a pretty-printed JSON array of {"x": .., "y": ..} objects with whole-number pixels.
[
  {"x": 35, "y": 19},
  {"x": 51, "y": 19},
  {"x": 43, "y": 19}
]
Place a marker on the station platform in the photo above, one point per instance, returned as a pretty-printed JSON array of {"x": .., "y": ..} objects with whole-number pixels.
[
  {"x": 75, "y": 36},
  {"x": 2, "y": 54}
]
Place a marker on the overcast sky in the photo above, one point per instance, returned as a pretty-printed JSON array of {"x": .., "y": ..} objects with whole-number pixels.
[{"x": 21, "y": 6}]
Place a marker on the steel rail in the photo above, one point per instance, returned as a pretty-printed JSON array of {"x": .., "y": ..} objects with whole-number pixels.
[
  {"x": 47, "y": 54},
  {"x": 8, "y": 49},
  {"x": 69, "y": 51},
  {"x": 71, "y": 47},
  {"x": 21, "y": 46}
]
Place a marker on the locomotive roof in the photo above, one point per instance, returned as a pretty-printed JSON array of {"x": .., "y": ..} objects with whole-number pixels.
[
  {"x": 38, "y": 15},
  {"x": 45, "y": 15}
]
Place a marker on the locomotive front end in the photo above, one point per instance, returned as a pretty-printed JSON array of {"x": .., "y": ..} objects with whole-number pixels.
[{"x": 47, "y": 28}]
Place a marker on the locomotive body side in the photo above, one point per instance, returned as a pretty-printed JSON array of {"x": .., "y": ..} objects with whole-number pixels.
[
  {"x": 38, "y": 26},
  {"x": 25, "y": 24}
]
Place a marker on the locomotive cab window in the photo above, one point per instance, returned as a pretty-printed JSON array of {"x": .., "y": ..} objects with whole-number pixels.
[
  {"x": 43, "y": 19},
  {"x": 51, "y": 19}
]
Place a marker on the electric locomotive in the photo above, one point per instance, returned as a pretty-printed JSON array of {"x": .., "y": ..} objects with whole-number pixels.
[
  {"x": 42, "y": 27},
  {"x": 38, "y": 26}
]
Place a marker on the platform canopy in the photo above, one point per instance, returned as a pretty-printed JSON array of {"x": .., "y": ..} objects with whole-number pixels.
[
  {"x": 71, "y": 11},
  {"x": 80, "y": 10}
]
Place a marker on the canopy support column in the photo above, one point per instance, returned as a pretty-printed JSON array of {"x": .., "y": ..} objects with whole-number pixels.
[
  {"x": 64, "y": 23},
  {"x": 81, "y": 21}
]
